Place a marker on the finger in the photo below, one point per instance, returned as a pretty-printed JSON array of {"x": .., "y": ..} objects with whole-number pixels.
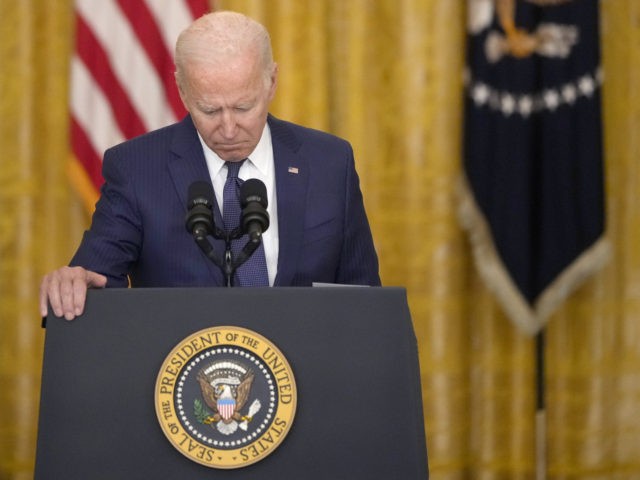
[
  {"x": 79, "y": 295},
  {"x": 82, "y": 280},
  {"x": 51, "y": 294},
  {"x": 44, "y": 297},
  {"x": 67, "y": 290},
  {"x": 95, "y": 280}
]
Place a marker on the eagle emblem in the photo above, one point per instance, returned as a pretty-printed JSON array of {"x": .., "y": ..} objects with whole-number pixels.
[
  {"x": 548, "y": 40},
  {"x": 225, "y": 388}
]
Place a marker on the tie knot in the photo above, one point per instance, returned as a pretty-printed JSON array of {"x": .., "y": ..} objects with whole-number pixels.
[{"x": 233, "y": 168}]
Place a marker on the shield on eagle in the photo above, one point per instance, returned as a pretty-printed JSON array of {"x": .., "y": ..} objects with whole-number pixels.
[{"x": 226, "y": 403}]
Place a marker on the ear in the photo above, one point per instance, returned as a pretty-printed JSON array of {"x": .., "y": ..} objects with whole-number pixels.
[
  {"x": 274, "y": 82},
  {"x": 181, "y": 89}
]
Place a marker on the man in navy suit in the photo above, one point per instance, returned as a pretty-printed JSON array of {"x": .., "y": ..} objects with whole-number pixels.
[{"x": 227, "y": 79}]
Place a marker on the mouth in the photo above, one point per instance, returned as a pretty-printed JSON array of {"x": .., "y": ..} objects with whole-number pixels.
[
  {"x": 229, "y": 151},
  {"x": 234, "y": 146},
  {"x": 231, "y": 146}
]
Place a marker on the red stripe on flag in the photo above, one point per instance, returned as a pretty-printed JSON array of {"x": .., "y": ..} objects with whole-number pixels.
[
  {"x": 148, "y": 33},
  {"x": 97, "y": 62},
  {"x": 198, "y": 7},
  {"x": 86, "y": 154}
]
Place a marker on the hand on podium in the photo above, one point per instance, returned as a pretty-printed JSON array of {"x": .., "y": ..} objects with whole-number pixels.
[{"x": 66, "y": 290}]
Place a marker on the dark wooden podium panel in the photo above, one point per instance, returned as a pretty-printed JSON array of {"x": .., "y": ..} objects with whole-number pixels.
[{"x": 352, "y": 350}]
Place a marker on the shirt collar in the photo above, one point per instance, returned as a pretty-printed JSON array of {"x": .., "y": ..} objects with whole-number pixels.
[{"x": 259, "y": 157}]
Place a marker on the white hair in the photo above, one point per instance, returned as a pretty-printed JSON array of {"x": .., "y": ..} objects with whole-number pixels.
[{"x": 219, "y": 36}]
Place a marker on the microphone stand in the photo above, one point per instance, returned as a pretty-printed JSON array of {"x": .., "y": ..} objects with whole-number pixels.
[{"x": 227, "y": 263}]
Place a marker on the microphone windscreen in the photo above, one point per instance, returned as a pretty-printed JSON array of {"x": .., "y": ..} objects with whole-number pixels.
[
  {"x": 200, "y": 192},
  {"x": 253, "y": 190}
]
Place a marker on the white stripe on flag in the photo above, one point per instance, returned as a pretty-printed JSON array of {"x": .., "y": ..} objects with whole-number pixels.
[
  {"x": 129, "y": 61},
  {"x": 92, "y": 110},
  {"x": 172, "y": 17}
]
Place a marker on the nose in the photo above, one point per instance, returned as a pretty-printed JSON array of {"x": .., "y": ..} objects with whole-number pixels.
[{"x": 228, "y": 124}]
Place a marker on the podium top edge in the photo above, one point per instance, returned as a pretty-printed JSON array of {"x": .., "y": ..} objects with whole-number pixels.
[{"x": 318, "y": 288}]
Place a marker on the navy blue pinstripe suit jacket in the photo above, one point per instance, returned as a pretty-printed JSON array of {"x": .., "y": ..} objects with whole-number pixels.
[{"x": 138, "y": 227}]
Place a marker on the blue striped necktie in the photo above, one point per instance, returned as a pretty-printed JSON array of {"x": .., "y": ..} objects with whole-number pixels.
[{"x": 253, "y": 272}]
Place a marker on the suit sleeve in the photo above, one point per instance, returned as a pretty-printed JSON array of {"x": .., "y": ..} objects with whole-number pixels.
[
  {"x": 112, "y": 244},
  {"x": 359, "y": 261}
]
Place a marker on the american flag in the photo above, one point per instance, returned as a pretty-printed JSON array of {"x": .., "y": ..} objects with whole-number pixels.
[{"x": 122, "y": 82}]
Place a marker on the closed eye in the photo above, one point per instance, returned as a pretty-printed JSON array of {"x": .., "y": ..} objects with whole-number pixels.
[{"x": 210, "y": 111}]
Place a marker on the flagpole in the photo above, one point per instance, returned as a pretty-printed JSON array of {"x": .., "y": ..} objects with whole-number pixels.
[{"x": 541, "y": 414}]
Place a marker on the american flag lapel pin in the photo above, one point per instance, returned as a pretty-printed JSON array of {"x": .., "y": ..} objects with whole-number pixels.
[{"x": 293, "y": 170}]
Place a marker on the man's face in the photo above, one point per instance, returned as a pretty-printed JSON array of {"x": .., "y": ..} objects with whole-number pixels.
[{"x": 229, "y": 105}]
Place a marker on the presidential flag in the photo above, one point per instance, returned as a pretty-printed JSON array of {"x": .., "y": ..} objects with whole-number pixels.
[
  {"x": 122, "y": 82},
  {"x": 532, "y": 195}
]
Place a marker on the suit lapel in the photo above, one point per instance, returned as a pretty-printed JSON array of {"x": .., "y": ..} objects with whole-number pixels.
[
  {"x": 187, "y": 165},
  {"x": 292, "y": 177}
]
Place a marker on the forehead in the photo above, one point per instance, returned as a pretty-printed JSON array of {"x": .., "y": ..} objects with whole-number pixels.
[{"x": 236, "y": 77}]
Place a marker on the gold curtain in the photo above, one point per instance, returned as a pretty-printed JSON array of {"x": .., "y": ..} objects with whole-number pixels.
[
  {"x": 387, "y": 75},
  {"x": 40, "y": 218}
]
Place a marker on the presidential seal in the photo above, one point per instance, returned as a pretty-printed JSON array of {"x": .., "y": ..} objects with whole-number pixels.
[{"x": 225, "y": 397}]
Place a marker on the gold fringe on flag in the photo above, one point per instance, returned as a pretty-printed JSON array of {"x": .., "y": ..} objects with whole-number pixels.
[{"x": 530, "y": 319}]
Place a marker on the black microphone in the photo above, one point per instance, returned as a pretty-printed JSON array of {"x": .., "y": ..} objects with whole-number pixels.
[
  {"x": 253, "y": 199},
  {"x": 199, "y": 219}
]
